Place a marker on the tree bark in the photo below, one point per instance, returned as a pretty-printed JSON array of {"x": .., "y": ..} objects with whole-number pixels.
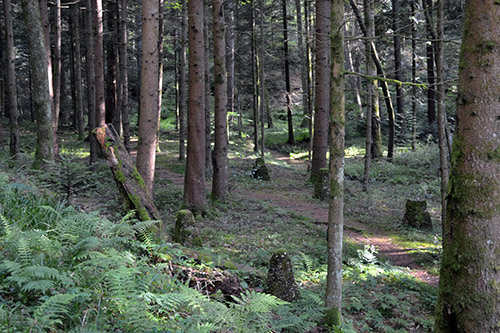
[
  {"x": 333, "y": 298},
  {"x": 113, "y": 114},
  {"x": 322, "y": 102},
  {"x": 288, "y": 89},
  {"x": 219, "y": 183},
  {"x": 100, "y": 105},
  {"x": 89, "y": 60},
  {"x": 148, "y": 119},
  {"x": 208, "y": 122},
  {"x": 469, "y": 297},
  {"x": 124, "y": 74},
  {"x": 371, "y": 92},
  {"x": 78, "y": 70},
  {"x": 194, "y": 180},
  {"x": 182, "y": 84},
  {"x": 57, "y": 65},
  {"x": 255, "y": 81},
  {"x": 262, "y": 80},
  {"x": 413, "y": 78},
  {"x": 10, "y": 72},
  {"x": 128, "y": 180},
  {"x": 41, "y": 95},
  {"x": 398, "y": 73},
  {"x": 431, "y": 91},
  {"x": 230, "y": 27}
]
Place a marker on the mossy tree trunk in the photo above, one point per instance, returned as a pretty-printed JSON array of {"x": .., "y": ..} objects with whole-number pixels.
[
  {"x": 128, "y": 180},
  {"x": 333, "y": 299},
  {"x": 469, "y": 293}
]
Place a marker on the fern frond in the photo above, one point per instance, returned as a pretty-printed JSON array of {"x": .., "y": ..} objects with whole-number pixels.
[{"x": 53, "y": 310}]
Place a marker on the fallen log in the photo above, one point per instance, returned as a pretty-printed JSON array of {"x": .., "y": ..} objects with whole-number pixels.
[{"x": 128, "y": 180}]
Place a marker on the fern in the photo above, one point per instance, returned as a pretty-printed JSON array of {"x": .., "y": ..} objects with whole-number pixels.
[{"x": 50, "y": 314}]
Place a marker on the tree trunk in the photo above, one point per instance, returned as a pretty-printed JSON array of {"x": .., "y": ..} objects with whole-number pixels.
[
  {"x": 310, "y": 71},
  {"x": 431, "y": 91},
  {"x": 148, "y": 119},
  {"x": 41, "y": 95},
  {"x": 255, "y": 82},
  {"x": 182, "y": 84},
  {"x": 78, "y": 70},
  {"x": 113, "y": 114},
  {"x": 161, "y": 31},
  {"x": 413, "y": 79},
  {"x": 398, "y": 74},
  {"x": 57, "y": 65},
  {"x": 303, "y": 61},
  {"x": 322, "y": 105},
  {"x": 262, "y": 80},
  {"x": 371, "y": 91},
  {"x": 219, "y": 183},
  {"x": 333, "y": 298},
  {"x": 288, "y": 89},
  {"x": 128, "y": 180},
  {"x": 469, "y": 297},
  {"x": 208, "y": 122},
  {"x": 230, "y": 27},
  {"x": 194, "y": 180},
  {"x": 10, "y": 71},
  {"x": 124, "y": 74},
  {"x": 89, "y": 59},
  {"x": 100, "y": 114}
]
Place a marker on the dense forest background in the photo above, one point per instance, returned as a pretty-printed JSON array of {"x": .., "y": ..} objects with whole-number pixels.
[{"x": 162, "y": 156}]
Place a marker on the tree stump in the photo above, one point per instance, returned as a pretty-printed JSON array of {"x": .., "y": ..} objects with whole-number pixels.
[
  {"x": 416, "y": 215},
  {"x": 259, "y": 170},
  {"x": 127, "y": 178},
  {"x": 280, "y": 280},
  {"x": 322, "y": 185},
  {"x": 185, "y": 229}
]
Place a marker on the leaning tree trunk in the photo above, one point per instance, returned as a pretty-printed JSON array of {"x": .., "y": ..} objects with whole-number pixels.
[
  {"x": 128, "y": 180},
  {"x": 333, "y": 298},
  {"x": 219, "y": 184},
  {"x": 41, "y": 96},
  {"x": 469, "y": 296},
  {"x": 148, "y": 118},
  {"x": 11, "y": 80}
]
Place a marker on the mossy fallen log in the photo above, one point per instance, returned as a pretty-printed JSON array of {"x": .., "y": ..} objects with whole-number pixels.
[{"x": 127, "y": 178}]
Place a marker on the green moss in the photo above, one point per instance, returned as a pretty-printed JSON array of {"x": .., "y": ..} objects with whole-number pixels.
[
  {"x": 142, "y": 214},
  {"x": 333, "y": 317},
  {"x": 138, "y": 178},
  {"x": 496, "y": 2}
]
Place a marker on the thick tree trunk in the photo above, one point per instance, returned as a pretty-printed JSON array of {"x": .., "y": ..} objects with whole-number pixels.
[
  {"x": 127, "y": 178},
  {"x": 89, "y": 60},
  {"x": 78, "y": 70},
  {"x": 148, "y": 119},
  {"x": 322, "y": 105},
  {"x": 124, "y": 74},
  {"x": 194, "y": 180},
  {"x": 182, "y": 84},
  {"x": 288, "y": 89},
  {"x": 100, "y": 115},
  {"x": 10, "y": 72},
  {"x": 333, "y": 298},
  {"x": 219, "y": 183},
  {"x": 41, "y": 95},
  {"x": 469, "y": 297}
]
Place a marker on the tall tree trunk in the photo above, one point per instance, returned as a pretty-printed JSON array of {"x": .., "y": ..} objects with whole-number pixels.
[
  {"x": 208, "y": 122},
  {"x": 10, "y": 70},
  {"x": 89, "y": 60},
  {"x": 124, "y": 74},
  {"x": 310, "y": 71},
  {"x": 219, "y": 183},
  {"x": 288, "y": 89},
  {"x": 371, "y": 91},
  {"x": 398, "y": 74},
  {"x": 57, "y": 66},
  {"x": 431, "y": 91},
  {"x": 148, "y": 119},
  {"x": 100, "y": 114},
  {"x": 41, "y": 95},
  {"x": 333, "y": 298},
  {"x": 303, "y": 61},
  {"x": 194, "y": 180},
  {"x": 161, "y": 31},
  {"x": 385, "y": 87},
  {"x": 182, "y": 84},
  {"x": 322, "y": 107},
  {"x": 262, "y": 80},
  {"x": 230, "y": 22},
  {"x": 413, "y": 78},
  {"x": 469, "y": 297},
  {"x": 255, "y": 81},
  {"x": 111, "y": 47},
  {"x": 75, "y": 20}
]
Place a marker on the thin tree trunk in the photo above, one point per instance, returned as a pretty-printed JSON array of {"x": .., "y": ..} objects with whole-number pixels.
[
  {"x": 91, "y": 100},
  {"x": 288, "y": 89},
  {"x": 10, "y": 71},
  {"x": 182, "y": 84},
  {"x": 113, "y": 114},
  {"x": 208, "y": 122},
  {"x": 100, "y": 114},
  {"x": 398, "y": 74},
  {"x": 255, "y": 82},
  {"x": 333, "y": 298},
  {"x": 78, "y": 70},
  {"x": 161, "y": 31},
  {"x": 413, "y": 79},
  {"x": 431, "y": 91},
  {"x": 262, "y": 79},
  {"x": 124, "y": 74},
  {"x": 230, "y": 22},
  {"x": 194, "y": 180},
  {"x": 220, "y": 184},
  {"x": 309, "y": 77},
  {"x": 371, "y": 90},
  {"x": 41, "y": 94},
  {"x": 148, "y": 119},
  {"x": 323, "y": 91},
  {"x": 303, "y": 61},
  {"x": 57, "y": 66}
]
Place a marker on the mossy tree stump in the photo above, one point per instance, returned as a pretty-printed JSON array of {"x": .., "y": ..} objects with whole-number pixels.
[
  {"x": 322, "y": 184},
  {"x": 127, "y": 178},
  {"x": 416, "y": 215},
  {"x": 260, "y": 171},
  {"x": 185, "y": 229},
  {"x": 280, "y": 280}
]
